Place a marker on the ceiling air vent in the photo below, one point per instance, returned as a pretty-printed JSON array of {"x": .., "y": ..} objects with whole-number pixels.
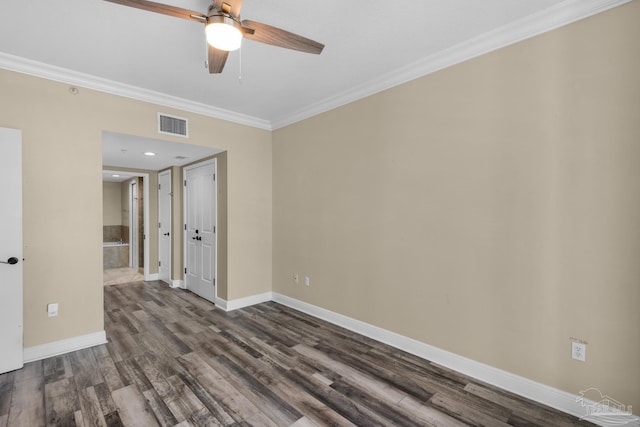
[{"x": 172, "y": 125}]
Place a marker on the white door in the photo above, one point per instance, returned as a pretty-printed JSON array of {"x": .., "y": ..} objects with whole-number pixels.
[
  {"x": 133, "y": 224},
  {"x": 164, "y": 226},
  {"x": 10, "y": 249},
  {"x": 200, "y": 228}
]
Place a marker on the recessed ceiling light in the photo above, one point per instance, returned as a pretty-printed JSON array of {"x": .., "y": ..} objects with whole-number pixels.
[
  {"x": 149, "y": 153},
  {"x": 115, "y": 175}
]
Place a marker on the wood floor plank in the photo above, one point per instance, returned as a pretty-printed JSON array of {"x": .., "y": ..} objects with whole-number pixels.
[
  {"x": 532, "y": 412},
  {"x": 211, "y": 403},
  {"x": 304, "y": 422},
  {"x": 61, "y": 402},
  {"x": 353, "y": 411},
  {"x": 107, "y": 367},
  {"x": 92, "y": 415},
  {"x": 27, "y": 403},
  {"x": 161, "y": 411},
  {"x": 133, "y": 408},
  {"x": 85, "y": 368},
  {"x": 233, "y": 401},
  {"x": 174, "y": 359},
  {"x": 57, "y": 368},
  {"x": 429, "y": 414},
  {"x": 30, "y": 370},
  {"x": 6, "y": 387},
  {"x": 107, "y": 405},
  {"x": 459, "y": 410},
  {"x": 194, "y": 410},
  {"x": 269, "y": 403}
]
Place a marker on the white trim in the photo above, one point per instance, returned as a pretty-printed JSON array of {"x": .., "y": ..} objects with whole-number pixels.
[
  {"x": 178, "y": 284},
  {"x": 134, "y": 232},
  {"x": 43, "y": 351},
  {"x": 185, "y": 169},
  {"x": 561, "y": 400},
  {"x": 236, "y": 304},
  {"x": 220, "y": 303},
  {"x": 561, "y": 14},
  {"x": 151, "y": 277},
  {"x": 171, "y": 231},
  {"x": 64, "y": 75}
]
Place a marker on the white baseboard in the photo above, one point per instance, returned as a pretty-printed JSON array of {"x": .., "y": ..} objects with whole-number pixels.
[
  {"x": 236, "y": 304},
  {"x": 151, "y": 277},
  {"x": 221, "y": 303},
  {"x": 178, "y": 284},
  {"x": 558, "y": 399},
  {"x": 42, "y": 351}
]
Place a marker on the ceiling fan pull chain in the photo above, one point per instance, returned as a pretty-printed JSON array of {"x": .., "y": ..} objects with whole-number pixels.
[
  {"x": 240, "y": 60},
  {"x": 206, "y": 54}
]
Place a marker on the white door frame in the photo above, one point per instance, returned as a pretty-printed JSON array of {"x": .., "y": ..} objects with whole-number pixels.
[
  {"x": 214, "y": 162},
  {"x": 169, "y": 220},
  {"x": 145, "y": 185},
  {"x": 133, "y": 224},
  {"x": 11, "y": 317}
]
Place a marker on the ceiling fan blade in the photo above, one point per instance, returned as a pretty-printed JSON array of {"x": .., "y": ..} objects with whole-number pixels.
[
  {"x": 164, "y": 9},
  {"x": 264, "y": 33},
  {"x": 234, "y": 7},
  {"x": 216, "y": 58}
]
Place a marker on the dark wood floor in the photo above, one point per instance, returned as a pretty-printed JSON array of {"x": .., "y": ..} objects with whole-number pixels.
[{"x": 175, "y": 359}]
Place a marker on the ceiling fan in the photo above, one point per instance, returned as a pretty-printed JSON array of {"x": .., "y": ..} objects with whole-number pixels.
[{"x": 225, "y": 30}]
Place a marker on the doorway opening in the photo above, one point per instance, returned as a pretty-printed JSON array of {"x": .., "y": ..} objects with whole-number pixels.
[
  {"x": 125, "y": 227},
  {"x": 163, "y": 161}
]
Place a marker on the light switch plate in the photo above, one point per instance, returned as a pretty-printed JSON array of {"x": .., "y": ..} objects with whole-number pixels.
[{"x": 52, "y": 309}]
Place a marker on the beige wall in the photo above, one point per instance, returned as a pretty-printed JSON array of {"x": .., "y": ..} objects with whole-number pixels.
[
  {"x": 491, "y": 209},
  {"x": 111, "y": 203},
  {"x": 124, "y": 201},
  {"x": 62, "y": 134}
]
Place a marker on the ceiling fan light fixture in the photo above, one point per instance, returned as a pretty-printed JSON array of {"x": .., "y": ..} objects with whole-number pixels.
[{"x": 223, "y": 32}]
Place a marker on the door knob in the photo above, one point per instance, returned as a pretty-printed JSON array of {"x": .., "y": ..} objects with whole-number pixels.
[
  {"x": 11, "y": 261},
  {"x": 166, "y": 234}
]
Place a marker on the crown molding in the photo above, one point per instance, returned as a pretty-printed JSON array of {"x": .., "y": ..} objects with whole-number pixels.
[
  {"x": 559, "y": 15},
  {"x": 64, "y": 75}
]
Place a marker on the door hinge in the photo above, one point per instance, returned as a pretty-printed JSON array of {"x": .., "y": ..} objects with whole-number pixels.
[
  {"x": 214, "y": 176},
  {"x": 214, "y": 282},
  {"x": 185, "y": 226},
  {"x": 185, "y": 271},
  {"x": 159, "y": 263},
  {"x": 159, "y": 186},
  {"x": 214, "y": 228},
  {"x": 159, "y": 225},
  {"x": 185, "y": 182}
]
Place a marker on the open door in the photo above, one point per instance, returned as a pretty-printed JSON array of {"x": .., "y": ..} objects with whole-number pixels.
[
  {"x": 164, "y": 226},
  {"x": 11, "y": 355}
]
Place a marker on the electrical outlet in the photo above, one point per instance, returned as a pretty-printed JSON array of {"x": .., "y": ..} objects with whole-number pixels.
[
  {"x": 306, "y": 281},
  {"x": 295, "y": 278},
  {"x": 578, "y": 351},
  {"x": 52, "y": 309}
]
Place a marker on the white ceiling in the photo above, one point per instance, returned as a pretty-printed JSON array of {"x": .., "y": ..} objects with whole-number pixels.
[
  {"x": 127, "y": 151},
  {"x": 370, "y": 45}
]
